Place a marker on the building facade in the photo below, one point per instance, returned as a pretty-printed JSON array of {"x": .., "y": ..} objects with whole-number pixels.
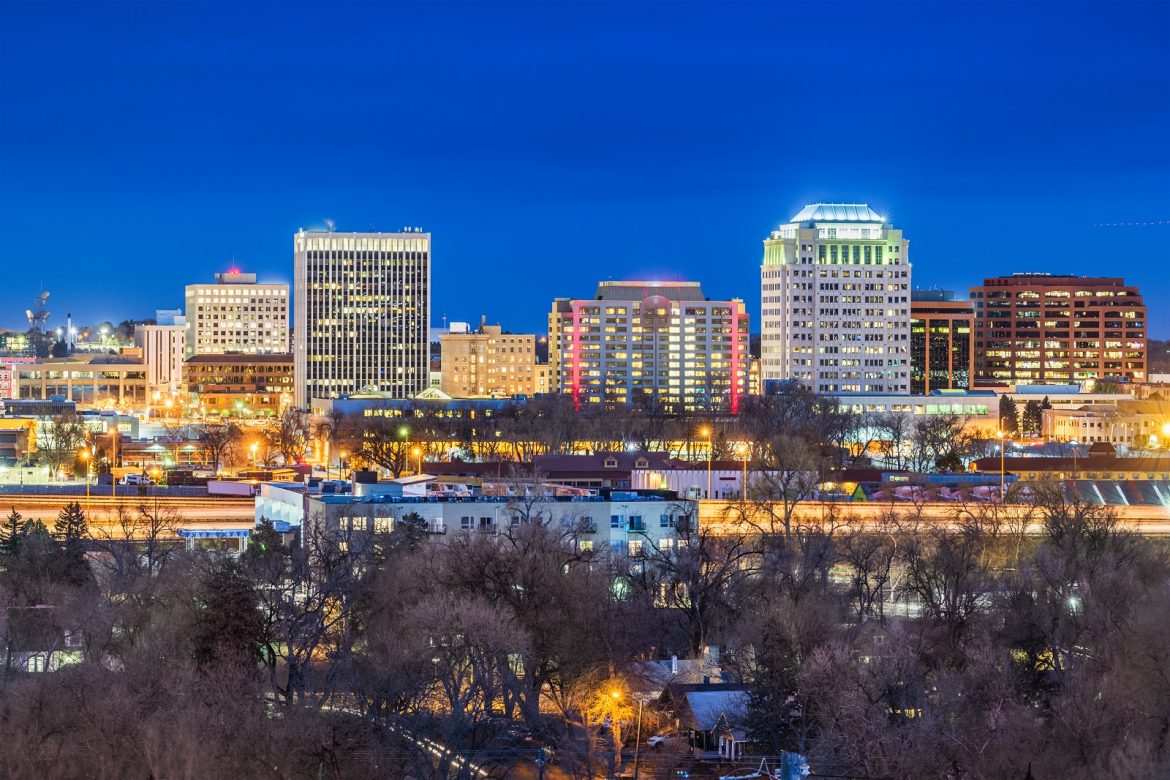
[
  {"x": 88, "y": 380},
  {"x": 489, "y": 363},
  {"x": 237, "y": 315},
  {"x": 163, "y": 349},
  {"x": 362, "y": 313},
  {"x": 835, "y": 294},
  {"x": 1137, "y": 424},
  {"x": 1039, "y": 328},
  {"x": 654, "y": 345},
  {"x": 239, "y": 385},
  {"x": 942, "y": 354}
]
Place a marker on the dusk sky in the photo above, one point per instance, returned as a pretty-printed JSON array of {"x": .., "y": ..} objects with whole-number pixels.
[{"x": 548, "y": 146}]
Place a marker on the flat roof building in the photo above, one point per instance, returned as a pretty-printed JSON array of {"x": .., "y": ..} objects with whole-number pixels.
[
  {"x": 835, "y": 301},
  {"x": 489, "y": 363},
  {"x": 942, "y": 355},
  {"x": 654, "y": 345},
  {"x": 1043, "y": 328},
  {"x": 362, "y": 313},
  {"x": 237, "y": 315}
]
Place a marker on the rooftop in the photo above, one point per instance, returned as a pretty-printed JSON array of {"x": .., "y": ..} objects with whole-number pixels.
[
  {"x": 837, "y": 212},
  {"x": 640, "y": 290}
]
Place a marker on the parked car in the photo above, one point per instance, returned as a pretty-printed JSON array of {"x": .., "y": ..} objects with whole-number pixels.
[{"x": 137, "y": 479}]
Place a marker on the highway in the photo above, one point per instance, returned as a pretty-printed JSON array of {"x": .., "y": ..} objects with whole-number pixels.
[
  {"x": 732, "y": 517},
  {"x": 220, "y": 512}
]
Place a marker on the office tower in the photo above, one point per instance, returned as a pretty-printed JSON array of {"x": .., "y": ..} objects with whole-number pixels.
[
  {"x": 835, "y": 289},
  {"x": 488, "y": 363},
  {"x": 656, "y": 345},
  {"x": 363, "y": 305},
  {"x": 942, "y": 329},
  {"x": 163, "y": 348},
  {"x": 237, "y": 315},
  {"x": 1045, "y": 329}
]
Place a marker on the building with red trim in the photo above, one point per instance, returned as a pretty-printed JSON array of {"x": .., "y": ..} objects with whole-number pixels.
[{"x": 653, "y": 345}]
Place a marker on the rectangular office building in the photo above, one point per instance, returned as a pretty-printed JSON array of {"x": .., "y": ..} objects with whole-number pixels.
[
  {"x": 835, "y": 294},
  {"x": 941, "y": 342},
  {"x": 361, "y": 313}
]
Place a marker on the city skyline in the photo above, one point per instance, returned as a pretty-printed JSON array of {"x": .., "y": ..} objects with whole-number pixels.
[{"x": 632, "y": 155}]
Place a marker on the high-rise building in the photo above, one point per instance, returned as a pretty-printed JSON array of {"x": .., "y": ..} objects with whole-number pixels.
[
  {"x": 942, "y": 329},
  {"x": 1044, "y": 329},
  {"x": 488, "y": 363},
  {"x": 237, "y": 315},
  {"x": 835, "y": 289},
  {"x": 163, "y": 349},
  {"x": 650, "y": 344},
  {"x": 362, "y": 313}
]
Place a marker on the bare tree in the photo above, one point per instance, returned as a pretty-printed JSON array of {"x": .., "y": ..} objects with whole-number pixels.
[
  {"x": 218, "y": 439},
  {"x": 60, "y": 440}
]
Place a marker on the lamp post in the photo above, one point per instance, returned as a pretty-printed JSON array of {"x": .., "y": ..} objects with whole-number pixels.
[
  {"x": 1000, "y": 435},
  {"x": 88, "y": 458},
  {"x": 705, "y": 432},
  {"x": 254, "y": 446},
  {"x": 417, "y": 452}
]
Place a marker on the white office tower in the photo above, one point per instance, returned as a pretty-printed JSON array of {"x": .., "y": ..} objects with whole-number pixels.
[
  {"x": 835, "y": 290},
  {"x": 237, "y": 316},
  {"x": 361, "y": 313},
  {"x": 163, "y": 349}
]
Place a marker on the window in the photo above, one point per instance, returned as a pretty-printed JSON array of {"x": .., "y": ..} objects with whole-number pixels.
[
  {"x": 615, "y": 521},
  {"x": 467, "y": 523},
  {"x": 664, "y": 521}
]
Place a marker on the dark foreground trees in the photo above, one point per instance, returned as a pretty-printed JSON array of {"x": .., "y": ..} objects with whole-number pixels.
[{"x": 903, "y": 648}]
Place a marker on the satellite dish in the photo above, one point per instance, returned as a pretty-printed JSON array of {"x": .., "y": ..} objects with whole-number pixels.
[
  {"x": 28, "y": 313},
  {"x": 44, "y": 297}
]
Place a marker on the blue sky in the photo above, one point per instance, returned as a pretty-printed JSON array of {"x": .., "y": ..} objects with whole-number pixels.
[{"x": 550, "y": 145}]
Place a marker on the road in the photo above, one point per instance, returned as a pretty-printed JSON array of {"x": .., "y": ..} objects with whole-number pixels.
[
  {"x": 727, "y": 516},
  {"x": 221, "y": 512}
]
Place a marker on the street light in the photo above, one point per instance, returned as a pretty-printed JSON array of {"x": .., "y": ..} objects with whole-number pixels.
[
  {"x": 417, "y": 452},
  {"x": 253, "y": 447},
  {"x": 1000, "y": 435},
  {"x": 705, "y": 432},
  {"x": 85, "y": 455}
]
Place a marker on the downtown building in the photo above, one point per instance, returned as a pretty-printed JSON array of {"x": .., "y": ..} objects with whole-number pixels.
[
  {"x": 488, "y": 363},
  {"x": 653, "y": 345},
  {"x": 236, "y": 315},
  {"x": 362, "y": 313},
  {"x": 163, "y": 348},
  {"x": 835, "y": 293},
  {"x": 1044, "y": 329},
  {"x": 942, "y": 349}
]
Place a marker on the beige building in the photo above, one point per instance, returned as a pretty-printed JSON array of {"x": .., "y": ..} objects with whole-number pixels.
[
  {"x": 488, "y": 363},
  {"x": 86, "y": 379},
  {"x": 654, "y": 345},
  {"x": 1138, "y": 424},
  {"x": 237, "y": 316}
]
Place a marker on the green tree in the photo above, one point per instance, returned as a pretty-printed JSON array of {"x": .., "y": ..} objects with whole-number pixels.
[
  {"x": 71, "y": 524},
  {"x": 1009, "y": 415},
  {"x": 72, "y": 531},
  {"x": 1033, "y": 415},
  {"x": 11, "y": 533},
  {"x": 228, "y": 628}
]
